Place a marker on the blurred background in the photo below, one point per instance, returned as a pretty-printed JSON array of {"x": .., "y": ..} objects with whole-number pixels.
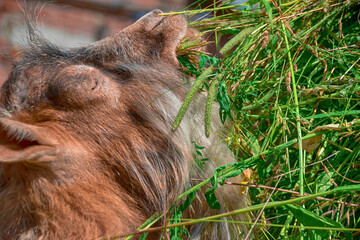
[{"x": 72, "y": 23}]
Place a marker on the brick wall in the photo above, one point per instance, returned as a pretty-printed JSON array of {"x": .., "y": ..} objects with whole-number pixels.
[{"x": 71, "y": 23}]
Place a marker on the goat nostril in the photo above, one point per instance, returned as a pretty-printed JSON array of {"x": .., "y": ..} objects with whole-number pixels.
[
  {"x": 156, "y": 11},
  {"x": 95, "y": 86}
]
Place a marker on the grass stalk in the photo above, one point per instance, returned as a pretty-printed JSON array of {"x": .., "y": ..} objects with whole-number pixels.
[
  {"x": 288, "y": 69},
  {"x": 298, "y": 124}
]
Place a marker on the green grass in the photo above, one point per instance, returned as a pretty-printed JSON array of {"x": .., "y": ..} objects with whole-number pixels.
[{"x": 288, "y": 74}]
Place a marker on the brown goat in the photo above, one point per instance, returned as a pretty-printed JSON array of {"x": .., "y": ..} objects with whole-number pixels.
[{"x": 86, "y": 153}]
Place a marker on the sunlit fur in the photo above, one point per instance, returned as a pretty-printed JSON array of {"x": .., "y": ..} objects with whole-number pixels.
[{"x": 106, "y": 157}]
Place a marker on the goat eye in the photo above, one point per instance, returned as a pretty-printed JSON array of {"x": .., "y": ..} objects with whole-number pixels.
[{"x": 76, "y": 86}]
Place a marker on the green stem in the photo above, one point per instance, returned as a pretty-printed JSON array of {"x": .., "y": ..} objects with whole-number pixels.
[
  {"x": 193, "y": 12},
  {"x": 281, "y": 225},
  {"x": 298, "y": 125},
  {"x": 244, "y": 210},
  {"x": 306, "y": 102}
]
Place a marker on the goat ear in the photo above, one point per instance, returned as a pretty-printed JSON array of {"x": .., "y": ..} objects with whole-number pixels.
[{"x": 20, "y": 142}]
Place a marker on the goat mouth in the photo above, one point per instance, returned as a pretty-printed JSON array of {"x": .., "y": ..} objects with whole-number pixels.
[{"x": 19, "y": 144}]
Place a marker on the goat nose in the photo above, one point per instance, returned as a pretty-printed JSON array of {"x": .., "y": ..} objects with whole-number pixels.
[
  {"x": 156, "y": 11},
  {"x": 153, "y": 12}
]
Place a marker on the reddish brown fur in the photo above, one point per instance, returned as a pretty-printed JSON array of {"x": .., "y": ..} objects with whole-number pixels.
[{"x": 85, "y": 152}]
